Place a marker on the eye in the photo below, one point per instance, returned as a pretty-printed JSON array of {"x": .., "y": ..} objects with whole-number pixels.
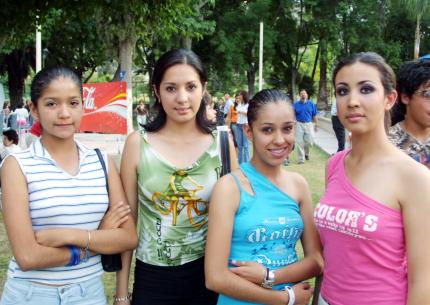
[
  {"x": 50, "y": 104},
  {"x": 267, "y": 129},
  {"x": 170, "y": 89},
  {"x": 288, "y": 129},
  {"x": 341, "y": 91},
  {"x": 426, "y": 93},
  {"x": 75, "y": 103},
  {"x": 192, "y": 87},
  {"x": 366, "y": 89}
]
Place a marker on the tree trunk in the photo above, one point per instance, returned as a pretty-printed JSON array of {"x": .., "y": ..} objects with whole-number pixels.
[
  {"x": 186, "y": 42},
  {"x": 115, "y": 77},
  {"x": 17, "y": 71},
  {"x": 126, "y": 47},
  {"x": 250, "y": 75},
  {"x": 322, "y": 103},
  {"x": 316, "y": 60},
  {"x": 417, "y": 37},
  {"x": 293, "y": 83}
]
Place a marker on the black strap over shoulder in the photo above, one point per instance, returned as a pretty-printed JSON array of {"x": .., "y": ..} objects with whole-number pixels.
[
  {"x": 102, "y": 161},
  {"x": 225, "y": 153}
]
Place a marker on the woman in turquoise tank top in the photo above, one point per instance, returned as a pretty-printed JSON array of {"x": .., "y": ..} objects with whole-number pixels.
[
  {"x": 168, "y": 172},
  {"x": 257, "y": 215}
]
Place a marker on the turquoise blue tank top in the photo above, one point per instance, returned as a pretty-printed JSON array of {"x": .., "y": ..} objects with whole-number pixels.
[{"x": 266, "y": 228}]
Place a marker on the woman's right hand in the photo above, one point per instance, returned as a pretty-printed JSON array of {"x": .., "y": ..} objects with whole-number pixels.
[
  {"x": 303, "y": 292},
  {"x": 116, "y": 215}
]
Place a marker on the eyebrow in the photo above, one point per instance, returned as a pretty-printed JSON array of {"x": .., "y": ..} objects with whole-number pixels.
[
  {"x": 360, "y": 82},
  {"x": 172, "y": 83},
  {"x": 56, "y": 98},
  {"x": 268, "y": 123}
]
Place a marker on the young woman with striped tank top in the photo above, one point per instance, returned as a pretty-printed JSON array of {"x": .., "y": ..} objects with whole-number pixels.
[
  {"x": 258, "y": 213},
  {"x": 55, "y": 201}
]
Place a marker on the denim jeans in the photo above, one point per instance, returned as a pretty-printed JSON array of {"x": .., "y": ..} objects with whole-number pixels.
[
  {"x": 89, "y": 292},
  {"x": 242, "y": 144}
]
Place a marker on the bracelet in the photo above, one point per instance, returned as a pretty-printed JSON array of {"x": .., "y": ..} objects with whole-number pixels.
[
  {"x": 87, "y": 248},
  {"x": 75, "y": 256},
  {"x": 291, "y": 295},
  {"x": 122, "y": 299},
  {"x": 269, "y": 279}
]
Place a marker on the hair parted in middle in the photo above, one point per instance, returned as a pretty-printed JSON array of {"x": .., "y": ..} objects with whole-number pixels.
[{"x": 167, "y": 60}]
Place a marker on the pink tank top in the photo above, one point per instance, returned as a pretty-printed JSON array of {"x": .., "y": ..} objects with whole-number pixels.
[{"x": 364, "y": 244}]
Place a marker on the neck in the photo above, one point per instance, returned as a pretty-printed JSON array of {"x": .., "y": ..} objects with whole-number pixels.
[
  {"x": 271, "y": 172},
  {"x": 56, "y": 146},
  {"x": 370, "y": 144},
  {"x": 419, "y": 132},
  {"x": 181, "y": 130}
]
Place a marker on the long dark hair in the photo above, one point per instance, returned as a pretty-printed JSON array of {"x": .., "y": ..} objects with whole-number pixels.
[
  {"x": 388, "y": 78},
  {"x": 167, "y": 60}
]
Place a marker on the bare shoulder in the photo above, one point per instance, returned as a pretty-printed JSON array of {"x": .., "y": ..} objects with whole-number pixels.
[
  {"x": 412, "y": 176},
  {"x": 228, "y": 184},
  {"x": 10, "y": 166},
  {"x": 133, "y": 138},
  {"x": 131, "y": 152},
  {"x": 226, "y": 193},
  {"x": 296, "y": 179}
]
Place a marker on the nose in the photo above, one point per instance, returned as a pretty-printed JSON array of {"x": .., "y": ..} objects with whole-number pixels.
[
  {"x": 63, "y": 111},
  {"x": 279, "y": 137},
  {"x": 181, "y": 96},
  {"x": 353, "y": 99}
]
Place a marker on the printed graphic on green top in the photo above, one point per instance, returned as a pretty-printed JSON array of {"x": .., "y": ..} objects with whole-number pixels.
[
  {"x": 177, "y": 197},
  {"x": 173, "y": 206}
]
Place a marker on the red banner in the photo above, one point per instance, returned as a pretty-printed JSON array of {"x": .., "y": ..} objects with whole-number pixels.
[{"x": 105, "y": 107}]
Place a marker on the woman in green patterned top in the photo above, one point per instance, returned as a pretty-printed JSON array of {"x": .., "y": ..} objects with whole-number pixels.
[{"x": 168, "y": 172}]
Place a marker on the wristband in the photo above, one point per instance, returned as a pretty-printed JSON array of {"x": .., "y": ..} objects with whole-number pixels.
[
  {"x": 75, "y": 256},
  {"x": 291, "y": 295},
  {"x": 122, "y": 299}
]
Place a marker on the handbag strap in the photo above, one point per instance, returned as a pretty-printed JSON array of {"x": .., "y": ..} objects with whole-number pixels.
[
  {"x": 225, "y": 152},
  {"x": 102, "y": 161}
]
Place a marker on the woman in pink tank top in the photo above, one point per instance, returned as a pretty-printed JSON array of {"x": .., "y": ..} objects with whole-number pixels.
[{"x": 373, "y": 217}]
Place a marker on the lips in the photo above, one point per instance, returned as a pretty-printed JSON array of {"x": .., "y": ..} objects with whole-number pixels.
[
  {"x": 182, "y": 110},
  {"x": 279, "y": 152},
  {"x": 354, "y": 117}
]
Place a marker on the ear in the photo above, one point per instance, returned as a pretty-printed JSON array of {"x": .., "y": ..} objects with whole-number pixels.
[
  {"x": 404, "y": 99},
  {"x": 248, "y": 131},
  {"x": 391, "y": 100},
  {"x": 205, "y": 86},
  {"x": 33, "y": 110}
]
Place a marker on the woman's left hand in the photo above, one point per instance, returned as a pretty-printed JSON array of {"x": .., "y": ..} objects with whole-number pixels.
[{"x": 251, "y": 271}]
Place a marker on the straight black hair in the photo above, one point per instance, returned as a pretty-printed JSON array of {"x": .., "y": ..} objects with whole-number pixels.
[
  {"x": 45, "y": 76},
  {"x": 263, "y": 98},
  {"x": 167, "y": 60},
  {"x": 410, "y": 76}
]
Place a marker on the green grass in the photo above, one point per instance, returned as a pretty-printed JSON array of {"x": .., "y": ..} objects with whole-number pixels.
[{"x": 312, "y": 170}]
